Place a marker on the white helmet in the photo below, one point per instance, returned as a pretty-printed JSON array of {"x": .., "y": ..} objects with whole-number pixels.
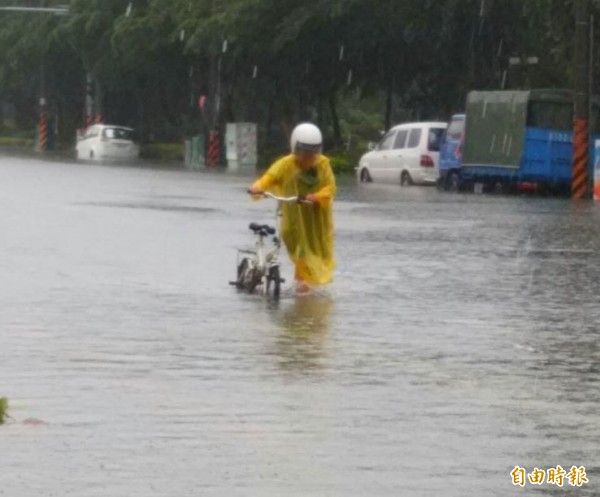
[{"x": 307, "y": 137}]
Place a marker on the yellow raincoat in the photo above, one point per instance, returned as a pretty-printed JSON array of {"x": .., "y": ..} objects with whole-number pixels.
[{"x": 306, "y": 230}]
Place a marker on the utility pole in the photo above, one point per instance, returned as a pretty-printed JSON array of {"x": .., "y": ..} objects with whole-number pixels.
[
  {"x": 593, "y": 120},
  {"x": 59, "y": 11},
  {"x": 580, "y": 186},
  {"x": 89, "y": 99}
]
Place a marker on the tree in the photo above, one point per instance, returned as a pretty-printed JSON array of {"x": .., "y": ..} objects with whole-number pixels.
[{"x": 323, "y": 60}]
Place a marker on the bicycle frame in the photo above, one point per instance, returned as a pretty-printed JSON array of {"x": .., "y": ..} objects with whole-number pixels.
[
  {"x": 257, "y": 266},
  {"x": 261, "y": 259}
]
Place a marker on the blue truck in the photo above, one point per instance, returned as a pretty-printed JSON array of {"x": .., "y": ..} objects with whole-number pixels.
[{"x": 513, "y": 140}]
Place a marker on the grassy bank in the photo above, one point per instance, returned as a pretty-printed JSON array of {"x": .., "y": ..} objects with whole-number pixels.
[
  {"x": 11, "y": 141},
  {"x": 342, "y": 162},
  {"x": 163, "y": 151}
]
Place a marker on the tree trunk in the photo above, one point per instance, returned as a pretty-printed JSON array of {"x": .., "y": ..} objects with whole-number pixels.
[
  {"x": 320, "y": 112},
  {"x": 388, "y": 105},
  {"x": 335, "y": 121},
  {"x": 269, "y": 124},
  {"x": 212, "y": 91}
]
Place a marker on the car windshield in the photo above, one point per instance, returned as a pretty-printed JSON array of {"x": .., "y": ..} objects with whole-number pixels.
[
  {"x": 387, "y": 140},
  {"x": 435, "y": 139},
  {"x": 118, "y": 134}
]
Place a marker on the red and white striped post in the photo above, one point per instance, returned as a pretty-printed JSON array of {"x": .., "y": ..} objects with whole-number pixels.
[
  {"x": 43, "y": 127},
  {"x": 213, "y": 148}
]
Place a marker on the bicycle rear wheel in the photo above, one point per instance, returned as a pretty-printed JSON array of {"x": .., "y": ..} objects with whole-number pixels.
[
  {"x": 241, "y": 269},
  {"x": 244, "y": 275}
]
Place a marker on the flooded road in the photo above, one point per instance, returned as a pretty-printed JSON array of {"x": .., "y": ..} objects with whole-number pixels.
[{"x": 459, "y": 340}]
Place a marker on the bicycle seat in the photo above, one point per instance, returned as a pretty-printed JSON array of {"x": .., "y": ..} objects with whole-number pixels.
[{"x": 267, "y": 230}]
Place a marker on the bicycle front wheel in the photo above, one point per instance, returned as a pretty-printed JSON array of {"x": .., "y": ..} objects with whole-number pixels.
[{"x": 274, "y": 283}]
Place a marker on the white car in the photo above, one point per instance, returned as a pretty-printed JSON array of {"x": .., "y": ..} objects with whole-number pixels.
[
  {"x": 105, "y": 142},
  {"x": 407, "y": 154}
]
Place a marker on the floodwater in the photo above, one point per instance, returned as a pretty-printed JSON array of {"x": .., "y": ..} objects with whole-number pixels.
[{"x": 459, "y": 340}]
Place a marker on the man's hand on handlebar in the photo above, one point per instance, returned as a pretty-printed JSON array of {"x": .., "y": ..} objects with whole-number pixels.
[{"x": 255, "y": 191}]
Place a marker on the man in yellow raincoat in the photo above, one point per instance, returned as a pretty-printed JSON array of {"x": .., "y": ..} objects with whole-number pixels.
[{"x": 306, "y": 229}]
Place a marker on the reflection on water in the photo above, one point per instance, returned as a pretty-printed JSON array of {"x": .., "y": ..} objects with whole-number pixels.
[{"x": 304, "y": 324}]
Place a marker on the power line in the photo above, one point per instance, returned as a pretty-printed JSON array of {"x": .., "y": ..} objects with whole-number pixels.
[{"x": 41, "y": 10}]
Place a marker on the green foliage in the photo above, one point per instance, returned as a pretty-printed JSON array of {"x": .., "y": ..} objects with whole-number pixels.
[
  {"x": 3, "y": 409},
  {"x": 12, "y": 141},
  {"x": 414, "y": 59},
  {"x": 361, "y": 123},
  {"x": 341, "y": 164}
]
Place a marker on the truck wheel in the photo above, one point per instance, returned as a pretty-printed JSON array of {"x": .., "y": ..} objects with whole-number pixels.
[{"x": 454, "y": 182}]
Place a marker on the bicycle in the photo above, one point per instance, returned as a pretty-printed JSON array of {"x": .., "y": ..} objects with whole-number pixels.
[{"x": 259, "y": 267}]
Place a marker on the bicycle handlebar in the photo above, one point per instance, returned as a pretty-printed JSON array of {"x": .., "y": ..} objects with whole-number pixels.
[{"x": 298, "y": 199}]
